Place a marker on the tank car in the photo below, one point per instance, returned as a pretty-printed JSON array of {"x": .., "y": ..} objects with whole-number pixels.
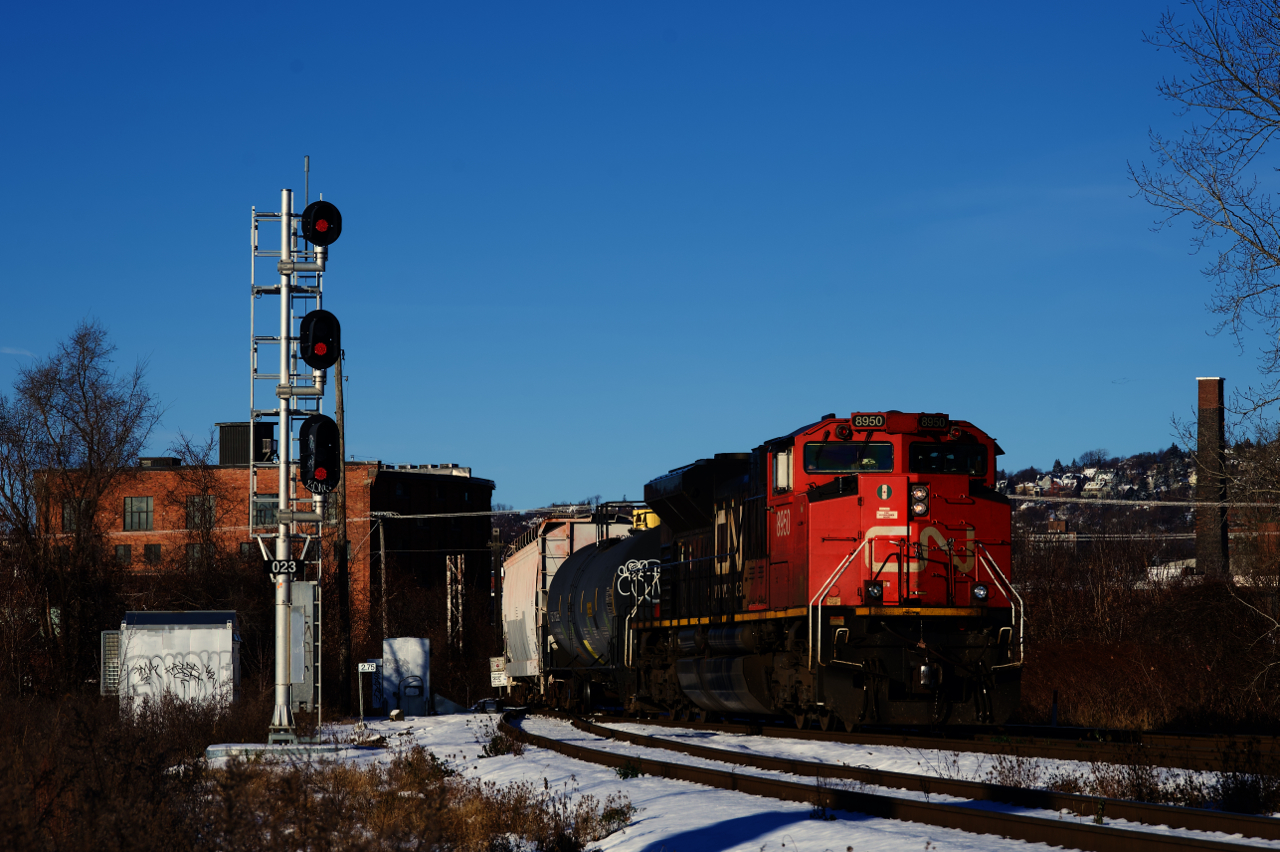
[
  {"x": 537, "y": 670},
  {"x": 855, "y": 571}
]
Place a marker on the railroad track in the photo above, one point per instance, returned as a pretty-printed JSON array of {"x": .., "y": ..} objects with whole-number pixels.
[
  {"x": 1172, "y": 751},
  {"x": 823, "y": 792}
]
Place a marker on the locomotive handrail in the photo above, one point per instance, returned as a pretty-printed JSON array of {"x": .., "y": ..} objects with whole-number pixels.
[
  {"x": 884, "y": 564},
  {"x": 831, "y": 581},
  {"x": 1018, "y": 613}
]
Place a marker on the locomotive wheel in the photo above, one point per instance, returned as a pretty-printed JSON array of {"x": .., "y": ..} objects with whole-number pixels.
[
  {"x": 826, "y": 720},
  {"x": 801, "y": 720},
  {"x": 849, "y": 724}
]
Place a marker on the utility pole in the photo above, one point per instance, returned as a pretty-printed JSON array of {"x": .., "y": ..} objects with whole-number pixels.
[
  {"x": 341, "y": 543},
  {"x": 382, "y": 565},
  {"x": 382, "y": 568},
  {"x": 282, "y": 727}
]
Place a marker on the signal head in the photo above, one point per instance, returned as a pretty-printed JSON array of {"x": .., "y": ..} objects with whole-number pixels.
[
  {"x": 318, "y": 458},
  {"x": 321, "y": 223},
  {"x": 320, "y": 339}
]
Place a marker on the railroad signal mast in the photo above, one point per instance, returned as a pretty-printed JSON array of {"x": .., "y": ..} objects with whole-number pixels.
[{"x": 298, "y": 391}]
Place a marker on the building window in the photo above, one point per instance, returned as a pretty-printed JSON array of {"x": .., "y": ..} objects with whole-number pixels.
[
  {"x": 264, "y": 509},
  {"x": 138, "y": 514},
  {"x": 70, "y": 517},
  {"x": 193, "y": 556},
  {"x": 124, "y": 554},
  {"x": 247, "y": 550},
  {"x": 200, "y": 512},
  {"x": 151, "y": 552}
]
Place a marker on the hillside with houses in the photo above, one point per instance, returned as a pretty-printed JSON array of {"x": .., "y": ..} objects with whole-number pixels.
[{"x": 1163, "y": 475}]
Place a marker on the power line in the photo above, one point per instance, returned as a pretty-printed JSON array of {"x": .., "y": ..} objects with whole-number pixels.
[{"x": 1146, "y": 503}]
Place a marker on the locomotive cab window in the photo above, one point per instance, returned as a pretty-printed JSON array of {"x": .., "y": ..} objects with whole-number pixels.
[
  {"x": 967, "y": 459},
  {"x": 848, "y": 457}
]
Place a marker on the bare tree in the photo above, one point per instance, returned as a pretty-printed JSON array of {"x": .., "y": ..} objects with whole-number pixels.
[
  {"x": 72, "y": 429},
  {"x": 206, "y": 501},
  {"x": 1214, "y": 173}
]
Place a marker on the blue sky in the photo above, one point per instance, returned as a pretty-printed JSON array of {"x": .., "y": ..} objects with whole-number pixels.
[{"x": 585, "y": 243}]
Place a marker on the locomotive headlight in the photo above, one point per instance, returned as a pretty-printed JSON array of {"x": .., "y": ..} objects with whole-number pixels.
[
  {"x": 919, "y": 500},
  {"x": 979, "y": 592}
]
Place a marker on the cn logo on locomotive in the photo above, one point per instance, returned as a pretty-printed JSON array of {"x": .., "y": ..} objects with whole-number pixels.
[{"x": 884, "y": 492}]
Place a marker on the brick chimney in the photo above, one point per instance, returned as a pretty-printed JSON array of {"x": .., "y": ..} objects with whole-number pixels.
[{"x": 1211, "y": 481}]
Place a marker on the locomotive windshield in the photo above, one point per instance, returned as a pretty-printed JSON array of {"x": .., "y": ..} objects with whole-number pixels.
[
  {"x": 969, "y": 459},
  {"x": 847, "y": 457}
]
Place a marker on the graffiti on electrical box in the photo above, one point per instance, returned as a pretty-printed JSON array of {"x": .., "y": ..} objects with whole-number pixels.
[{"x": 151, "y": 670}]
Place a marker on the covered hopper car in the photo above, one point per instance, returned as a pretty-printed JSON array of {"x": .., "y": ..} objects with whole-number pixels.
[{"x": 855, "y": 571}]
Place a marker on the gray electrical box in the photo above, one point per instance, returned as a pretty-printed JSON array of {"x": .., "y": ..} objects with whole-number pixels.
[
  {"x": 406, "y": 675},
  {"x": 304, "y": 646}
]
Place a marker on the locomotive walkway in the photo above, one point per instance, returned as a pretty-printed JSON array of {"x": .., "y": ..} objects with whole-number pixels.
[{"x": 833, "y": 787}]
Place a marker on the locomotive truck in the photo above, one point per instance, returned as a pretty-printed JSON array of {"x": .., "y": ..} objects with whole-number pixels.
[{"x": 855, "y": 571}]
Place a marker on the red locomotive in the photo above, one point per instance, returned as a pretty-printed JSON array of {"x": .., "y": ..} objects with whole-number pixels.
[{"x": 855, "y": 571}]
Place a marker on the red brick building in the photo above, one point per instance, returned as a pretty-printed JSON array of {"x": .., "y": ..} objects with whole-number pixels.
[{"x": 167, "y": 516}]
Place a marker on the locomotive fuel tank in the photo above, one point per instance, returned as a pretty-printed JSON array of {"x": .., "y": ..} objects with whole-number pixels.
[{"x": 595, "y": 591}]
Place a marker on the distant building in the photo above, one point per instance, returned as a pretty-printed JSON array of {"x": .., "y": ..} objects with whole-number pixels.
[{"x": 164, "y": 514}]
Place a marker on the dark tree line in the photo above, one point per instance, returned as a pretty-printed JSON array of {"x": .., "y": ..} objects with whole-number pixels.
[{"x": 71, "y": 431}]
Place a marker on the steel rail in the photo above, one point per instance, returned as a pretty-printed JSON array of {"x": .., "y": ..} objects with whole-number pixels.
[
  {"x": 1055, "y": 832},
  {"x": 1197, "y": 819},
  {"x": 1169, "y": 751}
]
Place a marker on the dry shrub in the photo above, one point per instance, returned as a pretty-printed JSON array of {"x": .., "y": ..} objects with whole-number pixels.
[
  {"x": 1124, "y": 651},
  {"x": 92, "y": 777},
  {"x": 1011, "y": 770},
  {"x": 494, "y": 741},
  {"x": 1249, "y": 783}
]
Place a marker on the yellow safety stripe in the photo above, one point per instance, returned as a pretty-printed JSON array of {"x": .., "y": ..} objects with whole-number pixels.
[{"x": 799, "y": 612}]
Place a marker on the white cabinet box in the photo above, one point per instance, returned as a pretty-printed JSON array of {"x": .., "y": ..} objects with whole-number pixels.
[{"x": 194, "y": 656}]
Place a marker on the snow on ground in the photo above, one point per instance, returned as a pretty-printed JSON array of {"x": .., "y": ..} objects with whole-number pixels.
[{"x": 677, "y": 816}]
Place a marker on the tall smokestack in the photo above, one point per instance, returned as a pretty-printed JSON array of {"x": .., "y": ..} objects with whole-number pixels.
[{"x": 1211, "y": 481}]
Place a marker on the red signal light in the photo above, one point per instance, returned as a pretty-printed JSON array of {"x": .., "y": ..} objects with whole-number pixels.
[
  {"x": 321, "y": 474},
  {"x": 320, "y": 349},
  {"x": 321, "y": 223}
]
